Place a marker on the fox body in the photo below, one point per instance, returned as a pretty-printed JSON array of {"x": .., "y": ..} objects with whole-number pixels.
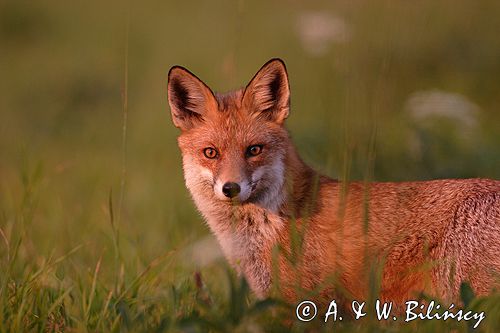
[{"x": 253, "y": 189}]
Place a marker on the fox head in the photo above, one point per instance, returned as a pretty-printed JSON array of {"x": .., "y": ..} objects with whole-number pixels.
[{"x": 233, "y": 145}]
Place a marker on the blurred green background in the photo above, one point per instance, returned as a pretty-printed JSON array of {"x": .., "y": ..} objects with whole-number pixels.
[{"x": 384, "y": 90}]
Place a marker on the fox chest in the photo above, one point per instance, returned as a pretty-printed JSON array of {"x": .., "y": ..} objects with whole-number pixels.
[{"x": 247, "y": 239}]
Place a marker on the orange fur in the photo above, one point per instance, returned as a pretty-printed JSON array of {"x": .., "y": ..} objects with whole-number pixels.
[{"x": 427, "y": 236}]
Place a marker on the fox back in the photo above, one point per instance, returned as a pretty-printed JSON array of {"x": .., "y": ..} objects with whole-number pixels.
[{"x": 255, "y": 192}]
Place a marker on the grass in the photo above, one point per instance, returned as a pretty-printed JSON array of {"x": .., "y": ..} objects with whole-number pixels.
[{"x": 97, "y": 231}]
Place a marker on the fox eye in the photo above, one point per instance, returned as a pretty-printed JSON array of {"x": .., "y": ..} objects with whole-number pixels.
[
  {"x": 210, "y": 153},
  {"x": 254, "y": 150}
]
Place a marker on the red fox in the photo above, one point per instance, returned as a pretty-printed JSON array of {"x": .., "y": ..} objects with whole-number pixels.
[{"x": 251, "y": 186}]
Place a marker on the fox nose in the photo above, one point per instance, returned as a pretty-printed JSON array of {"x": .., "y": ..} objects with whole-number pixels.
[{"x": 231, "y": 190}]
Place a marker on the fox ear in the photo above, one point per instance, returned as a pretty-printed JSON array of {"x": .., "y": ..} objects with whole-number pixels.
[
  {"x": 189, "y": 98},
  {"x": 268, "y": 93}
]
